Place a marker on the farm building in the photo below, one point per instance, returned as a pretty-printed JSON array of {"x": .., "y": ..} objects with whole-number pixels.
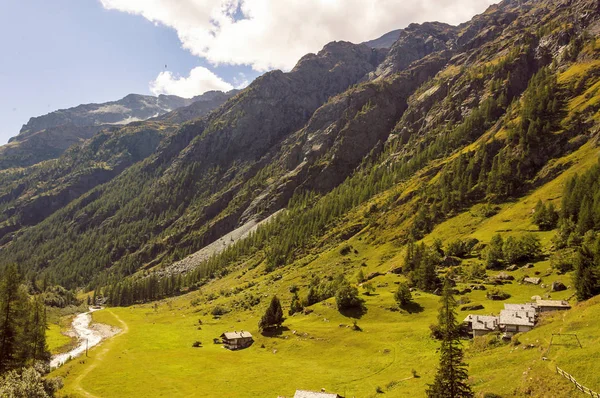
[
  {"x": 236, "y": 340},
  {"x": 516, "y": 321},
  {"x": 531, "y": 307},
  {"x": 481, "y": 324},
  {"x": 313, "y": 394},
  {"x": 552, "y": 305}
]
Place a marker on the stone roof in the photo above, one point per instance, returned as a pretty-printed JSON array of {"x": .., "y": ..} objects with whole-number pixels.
[
  {"x": 313, "y": 394},
  {"x": 553, "y": 303},
  {"x": 521, "y": 318},
  {"x": 482, "y": 322},
  {"x": 521, "y": 307},
  {"x": 236, "y": 335}
]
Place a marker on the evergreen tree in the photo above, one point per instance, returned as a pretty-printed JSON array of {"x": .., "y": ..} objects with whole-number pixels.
[
  {"x": 11, "y": 317},
  {"x": 493, "y": 253},
  {"x": 273, "y": 317},
  {"x": 587, "y": 274},
  {"x": 295, "y": 305},
  {"x": 403, "y": 295},
  {"x": 451, "y": 378}
]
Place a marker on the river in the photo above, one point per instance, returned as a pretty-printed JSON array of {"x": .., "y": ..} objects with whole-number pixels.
[{"x": 85, "y": 335}]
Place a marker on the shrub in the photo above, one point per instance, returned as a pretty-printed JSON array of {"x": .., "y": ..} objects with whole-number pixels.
[
  {"x": 563, "y": 261},
  {"x": 196, "y": 344},
  {"x": 346, "y": 249},
  {"x": 457, "y": 248},
  {"x": 497, "y": 294},
  {"x": 219, "y": 310},
  {"x": 346, "y": 296}
]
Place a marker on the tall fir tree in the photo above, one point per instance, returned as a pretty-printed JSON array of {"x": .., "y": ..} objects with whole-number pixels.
[
  {"x": 451, "y": 378},
  {"x": 273, "y": 317}
]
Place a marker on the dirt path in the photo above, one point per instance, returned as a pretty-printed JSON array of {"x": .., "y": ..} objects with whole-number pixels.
[{"x": 97, "y": 358}]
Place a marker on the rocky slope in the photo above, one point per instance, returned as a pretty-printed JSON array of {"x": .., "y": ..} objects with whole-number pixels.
[{"x": 46, "y": 137}]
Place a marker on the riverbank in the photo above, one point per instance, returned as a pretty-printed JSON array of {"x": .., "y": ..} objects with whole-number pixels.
[{"x": 88, "y": 335}]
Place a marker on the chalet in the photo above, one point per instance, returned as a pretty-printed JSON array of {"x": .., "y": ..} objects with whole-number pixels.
[
  {"x": 313, "y": 394},
  {"x": 552, "y": 305},
  {"x": 511, "y": 321},
  {"x": 236, "y": 340},
  {"x": 479, "y": 325},
  {"x": 530, "y": 307}
]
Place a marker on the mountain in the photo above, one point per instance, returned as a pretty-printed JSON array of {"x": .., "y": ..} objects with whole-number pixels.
[
  {"x": 47, "y": 137},
  {"x": 453, "y": 106}
]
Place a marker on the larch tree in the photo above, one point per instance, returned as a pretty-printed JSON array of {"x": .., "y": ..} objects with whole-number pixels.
[{"x": 451, "y": 379}]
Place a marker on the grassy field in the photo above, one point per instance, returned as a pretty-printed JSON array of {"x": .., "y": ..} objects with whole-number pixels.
[{"x": 153, "y": 355}]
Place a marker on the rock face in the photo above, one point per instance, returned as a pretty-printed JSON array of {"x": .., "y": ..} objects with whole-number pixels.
[{"x": 47, "y": 137}]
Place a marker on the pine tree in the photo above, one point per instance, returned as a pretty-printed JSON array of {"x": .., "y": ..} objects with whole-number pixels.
[
  {"x": 295, "y": 305},
  {"x": 451, "y": 378},
  {"x": 403, "y": 295},
  {"x": 587, "y": 275},
  {"x": 273, "y": 317},
  {"x": 11, "y": 317}
]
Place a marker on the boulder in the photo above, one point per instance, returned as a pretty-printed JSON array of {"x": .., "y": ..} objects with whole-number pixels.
[
  {"x": 450, "y": 261},
  {"x": 503, "y": 276},
  {"x": 373, "y": 275},
  {"x": 513, "y": 267},
  {"x": 471, "y": 307},
  {"x": 558, "y": 286}
]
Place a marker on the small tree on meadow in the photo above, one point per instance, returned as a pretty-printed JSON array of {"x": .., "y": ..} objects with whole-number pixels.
[
  {"x": 295, "y": 305},
  {"x": 403, "y": 295},
  {"x": 346, "y": 296},
  {"x": 273, "y": 317},
  {"x": 451, "y": 378}
]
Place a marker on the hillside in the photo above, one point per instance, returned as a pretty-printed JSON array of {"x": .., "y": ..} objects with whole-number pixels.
[{"x": 465, "y": 152}]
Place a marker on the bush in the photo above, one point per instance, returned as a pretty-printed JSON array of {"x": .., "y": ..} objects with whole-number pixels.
[
  {"x": 346, "y": 249},
  {"x": 497, "y": 294},
  {"x": 196, "y": 344},
  {"x": 457, "y": 248},
  {"x": 346, "y": 296},
  {"x": 563, "y": 261},
  {"x": 219, "y": 310}
]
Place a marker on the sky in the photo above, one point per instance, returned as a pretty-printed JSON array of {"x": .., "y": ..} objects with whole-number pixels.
[{"x": 61, "y": 53}]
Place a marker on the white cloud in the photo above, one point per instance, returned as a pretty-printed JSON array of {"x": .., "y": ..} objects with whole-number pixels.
[
  {"x": 199, "y": 81},
  {"x": 269, "y": 34}
]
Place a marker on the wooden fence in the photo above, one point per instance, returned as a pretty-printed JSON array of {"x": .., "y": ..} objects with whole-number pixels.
[{"x": 577, "y": 385}]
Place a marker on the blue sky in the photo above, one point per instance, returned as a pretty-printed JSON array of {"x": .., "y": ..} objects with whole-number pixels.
[{"x": 61, "y": 53}]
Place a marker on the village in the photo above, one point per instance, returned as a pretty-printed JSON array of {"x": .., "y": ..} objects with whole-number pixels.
[{"x": 514, "y": 318}]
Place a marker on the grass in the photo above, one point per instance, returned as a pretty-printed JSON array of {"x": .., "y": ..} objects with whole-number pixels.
[{"x": 57, "y": 341}]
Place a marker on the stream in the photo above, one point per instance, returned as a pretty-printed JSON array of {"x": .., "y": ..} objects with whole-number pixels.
[{"x": 85, "y": 335}]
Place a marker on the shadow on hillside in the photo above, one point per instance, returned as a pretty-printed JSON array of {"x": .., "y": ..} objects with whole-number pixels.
[
  {"x": 413, "y": 308},
  {"x": 275, "y": 331},
  {"x": 354, "y": 312}
]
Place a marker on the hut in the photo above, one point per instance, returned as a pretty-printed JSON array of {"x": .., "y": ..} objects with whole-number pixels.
[
  {"x": 236, "y": 340},
  {"x": 478, "y": 325},
  {"x": 314, "y": 394},
  {"x": 552, "y": 305}
]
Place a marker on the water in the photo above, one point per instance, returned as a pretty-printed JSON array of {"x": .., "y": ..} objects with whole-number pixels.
[{"x": 81, "y": 325}]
